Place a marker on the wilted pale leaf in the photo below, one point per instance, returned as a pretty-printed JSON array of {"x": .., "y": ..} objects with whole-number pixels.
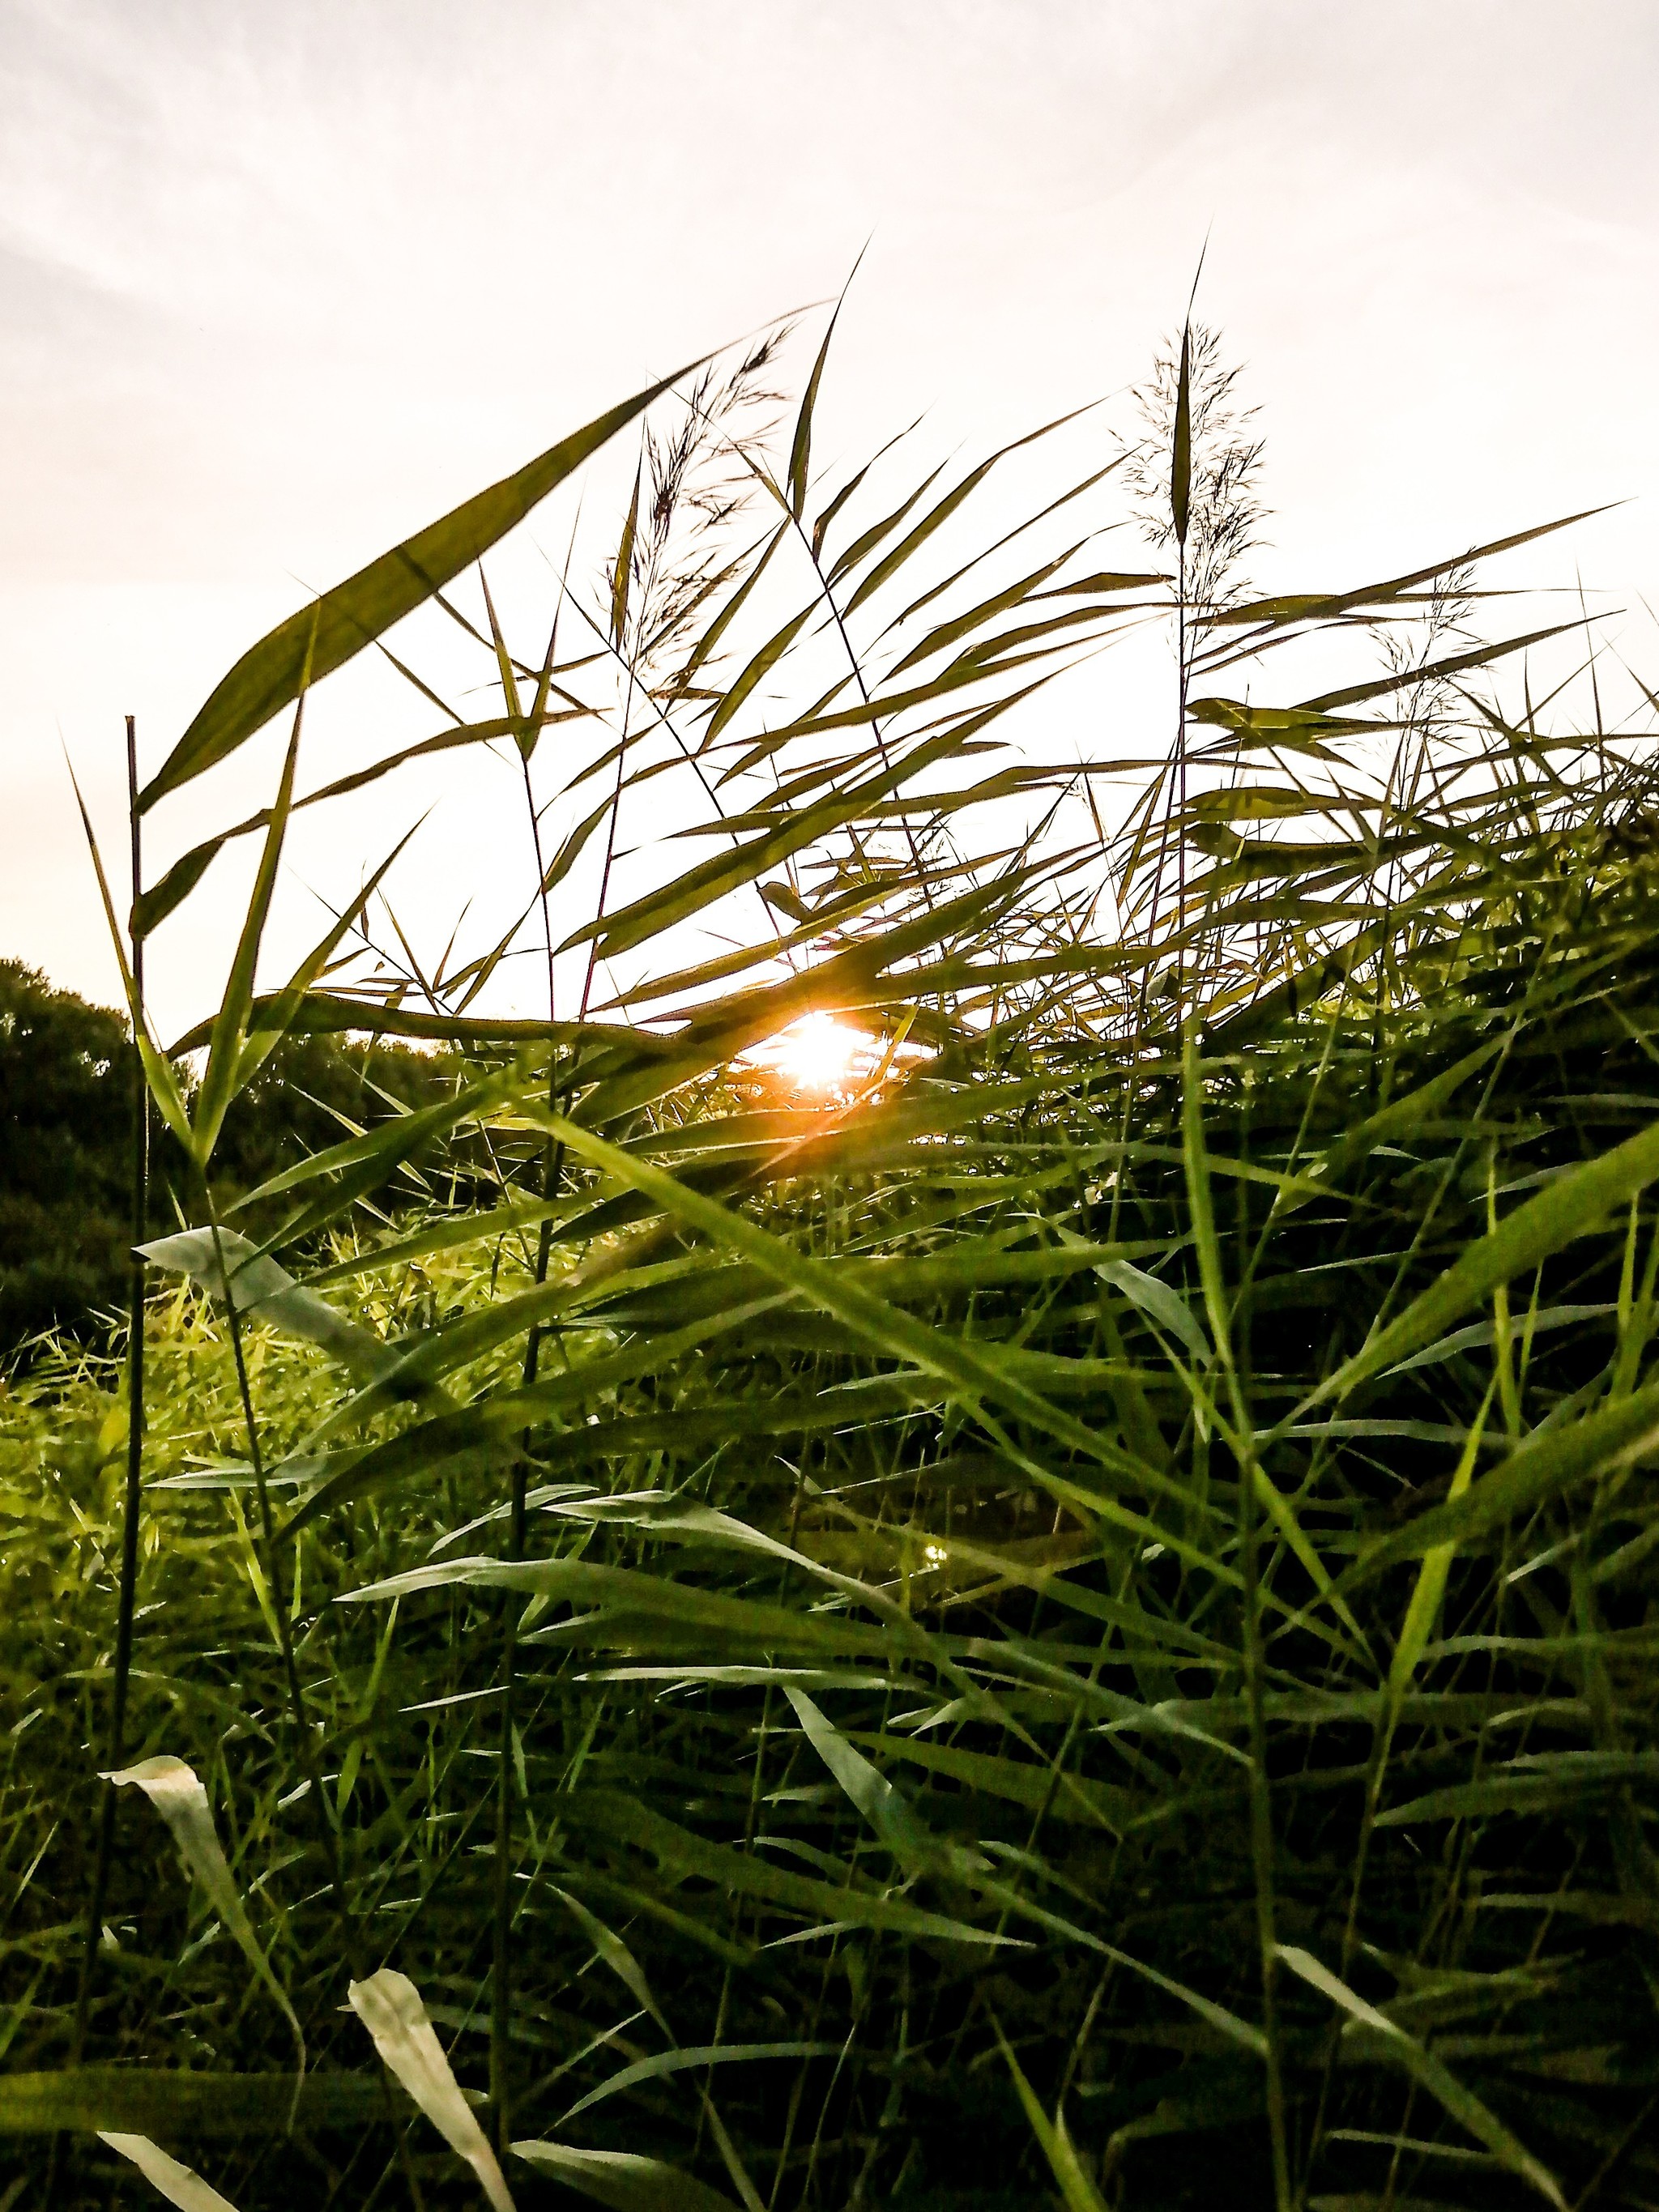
[
  {"x": 389, "y": 2005},
  {"x": 266, "y": 1292},
  {"x": 174, "y": 1789},
  {"x": 176, "y": 2183}
]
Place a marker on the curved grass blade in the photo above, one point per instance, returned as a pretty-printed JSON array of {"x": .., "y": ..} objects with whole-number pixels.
[
  {"x": 161, "y": 2100},
  {"x": 610, "y": 1947},
  {"x": 1307, "y": 607},
  {"x": 158, "y": 1074},
  {"x": 888, "y": 1812},
  {"x": 737, "y": 1873},
  {"x": 324, "y": 1013},
  {"x": 1075, "y": 2188},
  {"x": 940, "y": 513},
  {"x": 177, "y": 2182},
  {"x": 1161, "y": 1305},
  {"x": 622, "y": 573},
  {"x": 1424, "y": 1609},
  {"x": 260, "y": 1038},
  {"x": 271, "y": 675},
  {"x": 625, "y": 2180},
  {"x": 390, "y": 2007},
  {"x": 1571, "y": 1206},
  {"x": 265, "y": 1293},
  {"x": 396, "y": 1139},
  {"x": 1548, "y": 1463},
  {"x": 759, "y": 667},
  {"x": 174, "y": 1789},
  {"x": 677, "y": 2061},
  {"x": 800, "y": 446},
  {"x": 1383, "y": 2037},
  {"x": 230, "y": 1031},
  {"x": 733, "y": 607}
]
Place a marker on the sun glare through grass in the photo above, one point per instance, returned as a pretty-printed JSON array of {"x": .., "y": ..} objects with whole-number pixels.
[
  {"x": 1118, "y": 1526},
  {"x": 820, "y": 1054}
]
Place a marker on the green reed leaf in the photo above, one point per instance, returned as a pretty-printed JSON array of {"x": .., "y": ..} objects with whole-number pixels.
[
  {"x": 1382, "y": 2037},
  {"x": 1570, "y": 1207},
  {"x": 1078, "y": 2191},
  {"x": 626, "y": 2180},
  {"x": 314, "y": 643},
  {"x": 1180, "y": 450}
]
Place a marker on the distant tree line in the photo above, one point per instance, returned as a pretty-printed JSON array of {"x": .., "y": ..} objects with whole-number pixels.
[{"x": 65, "y": 1123}]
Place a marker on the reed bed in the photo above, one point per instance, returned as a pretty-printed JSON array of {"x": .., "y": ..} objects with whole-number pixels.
[{"x": 1070, "y": 1621}]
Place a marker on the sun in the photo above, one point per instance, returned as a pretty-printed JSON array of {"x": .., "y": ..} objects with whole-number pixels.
[{"x": 817, "y": 1053}]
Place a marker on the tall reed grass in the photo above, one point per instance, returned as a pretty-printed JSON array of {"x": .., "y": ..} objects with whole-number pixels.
[{"x": 1071, "y": 1620}]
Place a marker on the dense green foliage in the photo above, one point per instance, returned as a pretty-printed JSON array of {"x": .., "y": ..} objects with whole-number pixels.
[
  {"x": 64, "y": 1124},
  {"x": 1074, "y": 1619},
  {"x": 66, "y": 1137}
]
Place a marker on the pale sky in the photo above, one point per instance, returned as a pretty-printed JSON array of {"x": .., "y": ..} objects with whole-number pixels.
[{"x": 282, "y": 282}]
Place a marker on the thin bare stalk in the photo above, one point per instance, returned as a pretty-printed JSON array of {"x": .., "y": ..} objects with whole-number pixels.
[
  {"x": 501, "y": 2017},
  {"x": 1183, "y": 679},
  {"x": 1250, "y": 1653},
  {"x": 276, "y": 1583},
  {"x": 501, "y": 1978},
  {"x": 309, "y": 1770},
  {"x": 126, "y": 1595},
  {"x": 1261, "y": 1834},
  {"x": 126, "y": 1599}
]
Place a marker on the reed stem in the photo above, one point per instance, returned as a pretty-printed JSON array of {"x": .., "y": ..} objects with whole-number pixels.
[
  {"x": 126, "y": 1593},
  {"x": 276, "y": 1585}
]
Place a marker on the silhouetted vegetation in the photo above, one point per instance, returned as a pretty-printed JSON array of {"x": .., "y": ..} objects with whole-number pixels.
[{"x": 65, "y": 1130}]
